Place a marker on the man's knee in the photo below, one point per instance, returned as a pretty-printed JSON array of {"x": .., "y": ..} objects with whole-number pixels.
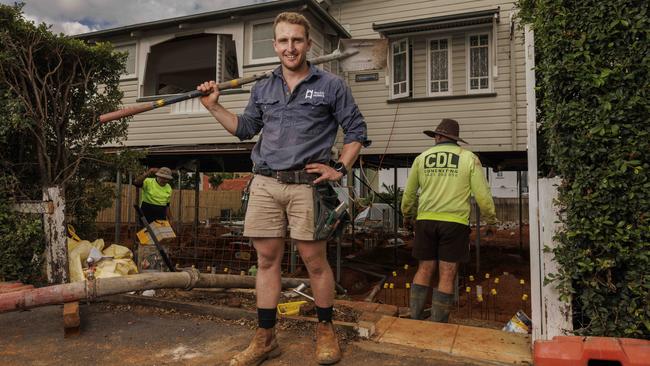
[
  {"x": 447, "y": 275},
  {"x": 269, "y": 253},
  {"x": 315, "y": 263},
  {"x": 426, "y": 268}
]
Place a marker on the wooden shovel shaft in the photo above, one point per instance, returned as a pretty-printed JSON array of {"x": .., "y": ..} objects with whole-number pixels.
[{"x": 144, "y": 107}]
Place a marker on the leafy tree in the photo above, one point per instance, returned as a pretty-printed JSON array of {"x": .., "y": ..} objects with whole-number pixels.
[
  {"x": 593, "y": 79},
  {"x": 52, "y": 90},
  {"x": 217, "y": 178}
]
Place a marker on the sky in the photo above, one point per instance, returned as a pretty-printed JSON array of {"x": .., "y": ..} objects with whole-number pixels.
[{"x": 82, "y": 16}]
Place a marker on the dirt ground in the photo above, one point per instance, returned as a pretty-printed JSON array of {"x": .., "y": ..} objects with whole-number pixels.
[
  {"x": 133, "y": 335},
  {"x": 503, "y": 256}
]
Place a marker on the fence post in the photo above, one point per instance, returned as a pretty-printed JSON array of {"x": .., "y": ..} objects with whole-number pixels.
[{"x": 56, "y": 250}]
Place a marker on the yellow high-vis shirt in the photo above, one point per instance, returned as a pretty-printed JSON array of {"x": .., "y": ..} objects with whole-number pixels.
[
  {"x": 446, "y": 175},
  {"x": 154, "y": 193}
]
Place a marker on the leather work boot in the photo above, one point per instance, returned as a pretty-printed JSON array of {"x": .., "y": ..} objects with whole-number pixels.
[
  {"x": 263, "y": 346},
  {"x": 327, "y": 346}
]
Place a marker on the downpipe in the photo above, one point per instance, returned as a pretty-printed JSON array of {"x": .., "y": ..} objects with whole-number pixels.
[{"x": 99, "y": 287}]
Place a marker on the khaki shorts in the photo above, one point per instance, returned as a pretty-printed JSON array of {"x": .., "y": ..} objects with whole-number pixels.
[{"x": 272, "y": 205}]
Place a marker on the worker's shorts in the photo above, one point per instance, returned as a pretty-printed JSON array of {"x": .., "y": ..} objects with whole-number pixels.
[
  {"x": 273, "y": 206},
  {"x": 441, "y": 240}
]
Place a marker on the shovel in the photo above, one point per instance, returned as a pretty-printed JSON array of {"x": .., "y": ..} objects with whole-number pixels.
[{"x": 353, "y": 54}]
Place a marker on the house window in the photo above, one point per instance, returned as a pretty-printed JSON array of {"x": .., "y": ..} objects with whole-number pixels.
[
  {"x": 439, "y": 66},
  {"x": 400, "y": 68},
  {"x": 179, "y": 65},
  {"x": 479, "y": 62},
  {"x": 262, "y": 42},
  {"x": 130, "y": 49}
]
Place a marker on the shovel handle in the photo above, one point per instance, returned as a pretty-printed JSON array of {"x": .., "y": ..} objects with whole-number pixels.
[{"x": 144, "y": 107}]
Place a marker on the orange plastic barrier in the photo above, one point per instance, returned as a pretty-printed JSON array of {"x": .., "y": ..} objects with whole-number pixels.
[{"x": 574, "y": 351}]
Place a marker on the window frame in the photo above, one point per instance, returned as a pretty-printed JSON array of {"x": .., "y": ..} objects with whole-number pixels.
[
  {"x": 450, "y": 83},
  {"x": 134, "y": 75},
  {"x": 468, "y": 65},
  {"x": 407, "y": 93},
  {"x": 250, "y": 58}
]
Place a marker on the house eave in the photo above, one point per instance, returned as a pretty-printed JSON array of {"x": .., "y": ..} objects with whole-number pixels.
[{"x": 437, "y": 23}]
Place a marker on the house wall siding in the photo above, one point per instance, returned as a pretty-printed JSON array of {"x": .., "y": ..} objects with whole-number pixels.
[
  {"x": 395, "y": 128},
  {"x": 486, "y": 121}
]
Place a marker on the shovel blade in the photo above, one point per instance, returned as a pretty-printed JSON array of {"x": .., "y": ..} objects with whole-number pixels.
[{"x": 371, "y": 54}]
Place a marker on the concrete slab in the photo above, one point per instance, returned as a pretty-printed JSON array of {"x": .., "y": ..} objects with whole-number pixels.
[
  {"x": 480, "y": 344},
  {"x": 491, "y": 344},
  {"x": 426, "y": 335},
  {"x": 383, "y": 325}
]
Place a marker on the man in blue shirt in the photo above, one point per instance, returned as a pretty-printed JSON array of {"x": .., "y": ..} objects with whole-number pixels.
[{"x": 300, "y": 108}]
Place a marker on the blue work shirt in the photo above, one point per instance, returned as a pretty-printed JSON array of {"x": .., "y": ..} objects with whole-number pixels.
[{"x": 299, "y": 127}]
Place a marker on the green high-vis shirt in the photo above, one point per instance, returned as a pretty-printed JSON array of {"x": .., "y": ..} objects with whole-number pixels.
[
  {"x": 155, "y": 194},
  {"x": 446, "y": 175}
]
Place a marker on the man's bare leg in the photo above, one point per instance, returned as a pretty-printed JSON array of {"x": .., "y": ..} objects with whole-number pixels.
[
  {"x": 443, "y": 297},
  {"x": 314, "y": 255},
  {"x": 268, "y": 285}
]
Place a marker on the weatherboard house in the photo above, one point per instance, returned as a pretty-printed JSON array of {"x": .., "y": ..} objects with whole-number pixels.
[
  {"x": 469, "y": 61},
  {"x": 445, "y": 59}
]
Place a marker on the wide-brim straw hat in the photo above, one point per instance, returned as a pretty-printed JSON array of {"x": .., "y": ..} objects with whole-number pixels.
[
  {"x": 164, "y": 172},
  {"x": 447, "y": 128}
]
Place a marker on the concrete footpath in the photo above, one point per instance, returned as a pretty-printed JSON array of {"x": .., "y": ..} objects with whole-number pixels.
[
  {"x": 456, "y": 340},
  {"x": 134, "y": 335}
]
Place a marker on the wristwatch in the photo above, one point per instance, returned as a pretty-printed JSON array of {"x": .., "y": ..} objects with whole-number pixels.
[{"x": 340, "y": 167}]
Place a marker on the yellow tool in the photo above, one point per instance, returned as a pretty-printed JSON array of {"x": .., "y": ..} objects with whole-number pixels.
[
  {"x": 290, "y": 308},
  {"x": 72, "y": 233}
]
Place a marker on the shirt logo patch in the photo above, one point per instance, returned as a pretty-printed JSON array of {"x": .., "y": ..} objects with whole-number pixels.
[
  {"x": 315, "y": 94},
  {"x": 441, "y": 164}
]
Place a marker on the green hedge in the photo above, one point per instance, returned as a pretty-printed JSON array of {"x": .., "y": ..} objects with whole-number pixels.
[
  {"x": 21, "y": 240},
  {"x": 593, "y": 79}
]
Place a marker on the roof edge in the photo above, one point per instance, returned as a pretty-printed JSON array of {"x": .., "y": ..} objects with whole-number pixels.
[{"x": 218, "y": 14}]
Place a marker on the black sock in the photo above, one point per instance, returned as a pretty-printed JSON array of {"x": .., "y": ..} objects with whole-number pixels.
[
  {"x": 266, "y": 318},
  {"x": 325, "y": 314}
]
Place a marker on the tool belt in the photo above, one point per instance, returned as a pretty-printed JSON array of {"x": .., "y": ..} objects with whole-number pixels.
[
  {"x": 287, "y": 176},
  {"x": 330, "y": 214}
]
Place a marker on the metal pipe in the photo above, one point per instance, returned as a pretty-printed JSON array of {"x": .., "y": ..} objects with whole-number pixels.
[
  {"x": 375, "y": 290},
  {"x": 519, "y": 186},
  {"x": 118, "y": 206},
  {"x": 129, "y": 204},
  {"x": 338, "y": 258},
  {"x": 395, "y": 213},
  {"x": 197, "y": 182},
  {"x": 92, "y": 289}
]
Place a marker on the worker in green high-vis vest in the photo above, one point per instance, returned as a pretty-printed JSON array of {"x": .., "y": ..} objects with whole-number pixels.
[
  {"x": 446, "y": 175},
  {"x": 156, "y": 193}
]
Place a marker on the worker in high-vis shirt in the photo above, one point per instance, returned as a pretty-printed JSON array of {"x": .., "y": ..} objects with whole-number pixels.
[
  {"x": 446, "y": 175},
  {"x": 156, "y": 193}
]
